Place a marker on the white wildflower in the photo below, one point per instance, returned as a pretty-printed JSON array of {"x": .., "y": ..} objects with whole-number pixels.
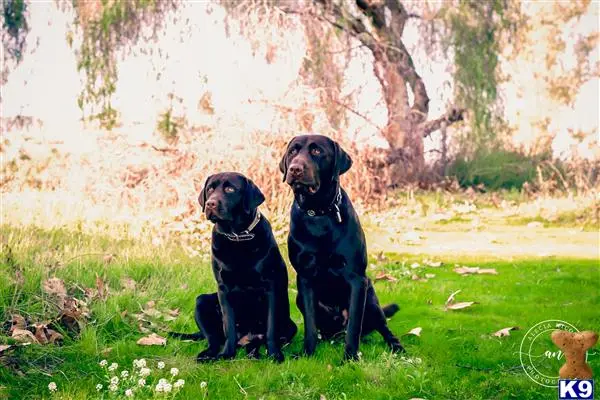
[
  {"x": 141, "y": 363},
  {"x": 161, "y": 365},
  {"x": 99, "y": 387},
  {"x": 203, "y": 385},
  {"x": 159, "y": 387},
  {"x": 174, "y": 371},
  {"x": 103, "y": 363},
  {"x": 141, "y": 382},
  {"x": 113, "y": 366},
  {"x": 124, "y": 374},
  {"x": 179, "y": 383},
  {"x": 129, "y": 393},
  {"x": 52, "y": 387},
  {"x": 144, "y": 371},
  {"x": 113, "y": 388},
  {"x": 162, "y": 381},
  {"x": 114, "y": 380},
  {"x": 167, "y": 387}
]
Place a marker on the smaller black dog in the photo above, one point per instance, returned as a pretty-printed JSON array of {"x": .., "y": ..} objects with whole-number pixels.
[{"x": 251, "y": 306}]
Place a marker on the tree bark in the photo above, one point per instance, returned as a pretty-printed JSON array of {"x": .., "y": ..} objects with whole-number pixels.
[{"x": 379, "y": 25}]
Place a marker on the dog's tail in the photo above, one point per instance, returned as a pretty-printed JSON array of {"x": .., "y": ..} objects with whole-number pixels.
[
  {"x": 187, "y": 336},
  {"x": 390, "y": 310}
]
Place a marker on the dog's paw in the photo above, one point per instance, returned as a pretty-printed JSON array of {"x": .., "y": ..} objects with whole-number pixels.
[
  {"x": 226, "y": 355},
  {"x": 309, "y": 348},
  {"x": 396, "y": 347},
  {"x": 207, "y": 355},
  {"x": 351, "y": 355},
  {"x": 277, "y": 356}
]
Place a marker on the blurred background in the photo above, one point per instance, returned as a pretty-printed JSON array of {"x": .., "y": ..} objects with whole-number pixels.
[{"x": 114, "y": 113}]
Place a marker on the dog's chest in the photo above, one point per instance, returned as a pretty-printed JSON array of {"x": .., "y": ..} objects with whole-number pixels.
[{"x": 242, "y": 280}]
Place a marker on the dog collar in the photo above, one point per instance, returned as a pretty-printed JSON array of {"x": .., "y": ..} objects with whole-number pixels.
[
  {"x": 335, "y": 206},
  {"x": 244, "y": 235}
]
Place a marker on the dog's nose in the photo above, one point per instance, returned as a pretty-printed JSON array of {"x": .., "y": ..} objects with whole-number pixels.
[
  {"x": 296, "y": 170},
  {"x": 211, "y": 204}
]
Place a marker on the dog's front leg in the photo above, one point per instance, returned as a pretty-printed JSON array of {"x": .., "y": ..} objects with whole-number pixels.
[
  {"x": 273, "y": 346},
  {"x": 358, "y": 295},
  {"x": 310, "y": 320},
  {"x": 228, "y": 324}
]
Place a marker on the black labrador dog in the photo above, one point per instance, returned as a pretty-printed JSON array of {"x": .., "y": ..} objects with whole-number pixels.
[
  {"x": 327, "y": 249},
  {"x": 251, "y": 305}
]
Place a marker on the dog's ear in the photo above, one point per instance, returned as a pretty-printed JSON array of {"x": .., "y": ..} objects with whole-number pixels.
[
  {"x": 342, "y": 162},
  {"x": 202, "y": 196},
  {"x": 283, "y": 163},
  {"x": 253, "y": 197}
]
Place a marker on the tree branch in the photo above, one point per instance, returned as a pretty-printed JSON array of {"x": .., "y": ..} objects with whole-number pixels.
[{"x": 452, "y": 116}]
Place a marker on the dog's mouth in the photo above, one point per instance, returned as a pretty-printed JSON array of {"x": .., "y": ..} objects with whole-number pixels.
[
  {"x": 302, "y": 187},
  {"x": 213, "y": 216}
]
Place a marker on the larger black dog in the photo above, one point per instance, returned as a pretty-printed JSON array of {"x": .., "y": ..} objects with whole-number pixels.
[
  {"x": 252, "y": 300},
  {"x": 327, "y": 248}
]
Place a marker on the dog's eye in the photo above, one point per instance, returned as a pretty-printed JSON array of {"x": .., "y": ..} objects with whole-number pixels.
[
  {"x": 229, "y": 189},
  {"x": 210, "y": 190},
  {"x": 292, "y": 152},
  {"x": 315, "y": 151}
]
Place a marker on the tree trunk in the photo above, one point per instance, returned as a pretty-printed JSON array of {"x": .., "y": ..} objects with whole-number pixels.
[{"x": 379, "y": 25}]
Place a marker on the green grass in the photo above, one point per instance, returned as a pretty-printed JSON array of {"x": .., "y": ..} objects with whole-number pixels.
[{"x": 459, "y": 357}]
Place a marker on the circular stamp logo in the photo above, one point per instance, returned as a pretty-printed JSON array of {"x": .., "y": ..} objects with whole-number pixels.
[{"x": 540, "y": 358}]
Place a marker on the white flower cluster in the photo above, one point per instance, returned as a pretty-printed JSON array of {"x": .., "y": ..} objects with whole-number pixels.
[
  {"x": 139, "y": 380},
  {"x": 52, "y": 387}
]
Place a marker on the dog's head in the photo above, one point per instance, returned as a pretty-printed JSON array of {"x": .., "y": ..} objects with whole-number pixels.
[
  {"x": 311, "y": 161},
  {"x": 227, "y": 196}
]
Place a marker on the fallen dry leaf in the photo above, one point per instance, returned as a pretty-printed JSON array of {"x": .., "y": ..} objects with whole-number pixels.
[
  {"x": 152, "y": 340},
  {"x": 460, "y": 306},
  {"x": 464, "y": 270},
  {"x": 451, "y": 297},
  {"x": 108, "y": 258},
  {"x": 173, "y": 313},
  {"x": 415, "y": 331},
  {"x": 4, "y": 347},
  {"x": 24, "y": 336},
  {"x": 18, "y": 322},
  {"x": 491, "y": 271},
  {"x": 55, "y": 287},
  {"x": 128, "y": 283},
  {"x": 383, "y": 276},
  {"x": 506, "y": 331},
  {"x": 45, "y": 335},
  {"x": 429, "y": 276},
  {"x": 433, "y": 264}
]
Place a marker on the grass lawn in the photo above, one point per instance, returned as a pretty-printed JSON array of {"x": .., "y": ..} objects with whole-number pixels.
[{"x": 456, "y": 356}]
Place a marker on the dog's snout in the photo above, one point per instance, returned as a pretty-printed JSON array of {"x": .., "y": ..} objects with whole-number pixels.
[
  {"x": 211, "y": 204},
  {"x": 296, "y": 170}
]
